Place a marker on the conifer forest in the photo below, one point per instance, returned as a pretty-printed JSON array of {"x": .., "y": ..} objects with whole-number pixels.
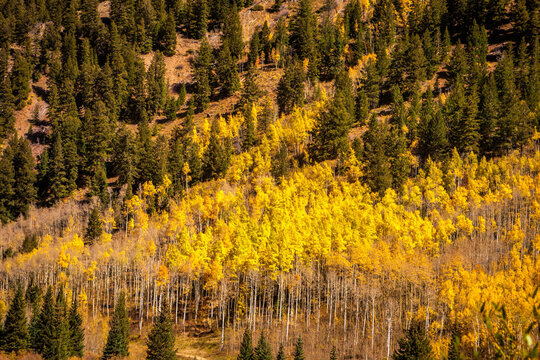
[{"x": 270, "y": 179}]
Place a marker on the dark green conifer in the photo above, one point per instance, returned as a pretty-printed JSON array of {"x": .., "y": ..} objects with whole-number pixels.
[
  {"x": 76, "y": 332},
  {"x": 167, "y": 42},
  {"x": 94, "y": 227},
  {"x": 299, "y": 349},
  {"x": 20, "y": 80},
  {"x": 281, "y": 353},
  {"x": 415, "y": 345},
  {"x": 43, "y": 335},
  {"x": 118, "y": 339},
  {"x": 263, "y": 350},
  {"x": 303, "y": 31},
  {"x": 333, "y": 353},
  {"x": 290, "y": 92},
  {"x": 246, "y": 348},
  {"x": 15, "y": 331},
  {"x": 378, "y": 173},
  {"x": 227, "y": 71},
  {"x": 161, "y": 338},
  {"x": 232, "y": 33},
  {"x": 214, "y": 158}
]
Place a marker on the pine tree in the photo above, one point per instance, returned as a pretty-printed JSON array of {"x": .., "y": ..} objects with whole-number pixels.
[
  {"x": 214, "y": 158},
  {"x": 7, "y": 120},
  {"x": 290, "y": 92},
  {"x": 489, "y": 114},
  {"x": 94, "y": 227},
  {"x": 454, "y": 349},
  {"x": 7, "y": 190},
  {"x": 331, "y": 47},
  {"x": 161, "y": 338},
  {"x": 118, "y": 339},
  {"x": 198, "y": 12},
  {"x": 250, "y": 91},
  {"x": 98, "y": 184},
  {"x": 248, "y": 129},
  {"x": 378, "y": 175},
  {"x": 281, "y": 164},
  {"x": 281, "y": 353},
  {"x": 263, "y": 350},
  {"x": 254, "y": 49},
  {"x": 333, "y": 353},
  {"x": 15, "y": 331},
  {"x": 232, "y": 33},
  {"x": 20, "y": 79},
  {"x": 266, "y": 44},
  {"x": 33, "y": 329},
  {"x": 246, "y": 348},
  {"x": 330, "y": 136},
  {"x": 76, "y": 332},
  {"x": 30, "y": 243},
  {"x": 156, "y": 85},
  {"x": 60, "y": 343},
  {"x": 167, "y": 42},
  {"x": 44, "y": 332},
  {"x": 299, "y": 349},
  {"x": 303, "y": 31},
  {"x": 415, "y": 345},
  {"x": 227, "y": 72}
]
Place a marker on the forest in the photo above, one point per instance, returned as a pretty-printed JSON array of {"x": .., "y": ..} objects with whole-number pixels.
[{"x": 269, "y": 179}]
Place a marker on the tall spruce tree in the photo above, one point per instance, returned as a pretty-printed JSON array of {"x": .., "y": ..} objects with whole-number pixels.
[
  {"x": 378, "y": 175},
  {"x": 246, "y": 347},
  {"x": 214, "y": 158},
  {"x": 290, "y": 92},
  {"x": 333, "y": 353},
  {"x": 76, "y": 332},
  {"x": 299, "y": 349},
  {"x": 227, "y": 71},
  {"x": 232, "y": 33},
  {"x": 118, "y": 338},
  {"x": 15, "y": 337},
  {"x": 94, "y": 227},
  {"x": 44, "y": 332},
  {"x": 303, "y": 31},
  {"x": 161, "y": 338},
  {"x": 281, "y": 353},
  {"x": 415, "y": 345},
  {"x": 263, "y": 350}
]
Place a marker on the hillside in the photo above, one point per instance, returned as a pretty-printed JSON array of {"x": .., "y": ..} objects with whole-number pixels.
[{"x": 269, "y": 179}]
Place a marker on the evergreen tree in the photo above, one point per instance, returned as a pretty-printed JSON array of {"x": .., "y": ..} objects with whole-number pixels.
[
  {"x": 299, "y": 349},
  {"x": 227, "y": 72},
  {"x": 333, "y": 353},
  {"x": 20, "y": 79},
  {"x": 76, "y": 332},
  {"x": 44, "y": 332},
  {"x": 281, "y": 353},
  {"x": 94, "y": 227},
  {"x": 331, "y": 47},
  {"x": 254, "y": 49},
  {"x": 232, "y": 33},
  {"x": 378, "y": 173},
  {"x": 303, "y": 31},
  {"x": 250, "y": 91},
  {"x": 214, "y": 158},
  {"x": 156, "y": 85},
  {"x": 246, "y": 348},
  {"x": 7, "y": 190},
  {"x": 489, "y": 109},
  {"x": 15, "y": 337},
  {"x": 281, "y": 164},
  {"x": 249, "y": 139},
  {"x": 198, "y": 12},
  {"x": 60, "y": 344},
  {"x": 33, "y": 329},
  {"x": 290, "y": 92},
  {"x": 415, "y": 345},
  {"x": 167, "y": 42},
  {"x": 118, "y": 339},
  {"x": 161, "y": 338},
  {"x": 263, "y": 350},
  {"x": 30, "y": 243},
  {"x": 384, "y": 21},
  {"x": 330, "y": 136},
  {"x": 265, "y": 43},
  {"x": 454, "y": 349},
  {"x": 7, "y": 120}
]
